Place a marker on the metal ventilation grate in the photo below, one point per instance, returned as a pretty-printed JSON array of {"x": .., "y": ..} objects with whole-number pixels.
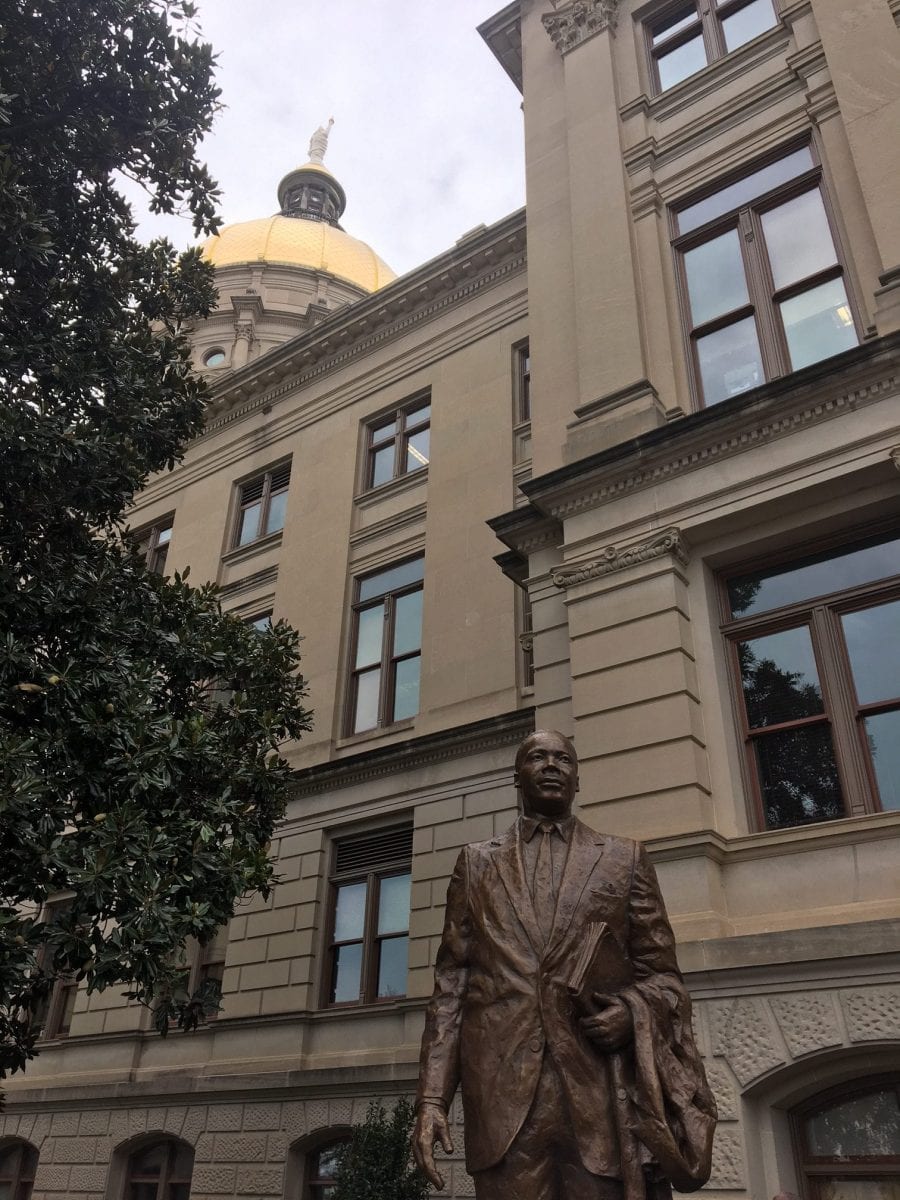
[{"x": 368, "y": 851}]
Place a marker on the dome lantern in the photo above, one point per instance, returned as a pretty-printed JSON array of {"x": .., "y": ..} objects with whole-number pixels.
[{"x": 311, "y": 192}]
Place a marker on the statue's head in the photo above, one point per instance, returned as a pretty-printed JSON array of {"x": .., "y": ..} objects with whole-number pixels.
[{"x": 546, "y": 774}]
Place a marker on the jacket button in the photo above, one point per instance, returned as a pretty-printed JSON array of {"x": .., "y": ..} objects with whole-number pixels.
[
  {"x": 621, "y": 1093},
  {"x": 536, "y": 1045}
]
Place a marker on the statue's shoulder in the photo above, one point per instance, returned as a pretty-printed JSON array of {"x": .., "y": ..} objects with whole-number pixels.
[
  {"x": 614, "y": 846},
  {"x": 479, "y": 851}
]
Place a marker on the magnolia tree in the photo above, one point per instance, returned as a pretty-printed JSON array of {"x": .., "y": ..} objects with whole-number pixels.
[{"x": 140, "y": 774}]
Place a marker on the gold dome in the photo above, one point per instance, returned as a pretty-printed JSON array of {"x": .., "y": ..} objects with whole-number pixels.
[{"x": 295, "y": 242}]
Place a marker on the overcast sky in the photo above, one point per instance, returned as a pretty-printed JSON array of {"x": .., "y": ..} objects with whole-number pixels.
[{"x": 427, "y": 139}]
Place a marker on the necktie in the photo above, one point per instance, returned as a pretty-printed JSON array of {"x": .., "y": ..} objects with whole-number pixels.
[{"x": 544, "y": 899}]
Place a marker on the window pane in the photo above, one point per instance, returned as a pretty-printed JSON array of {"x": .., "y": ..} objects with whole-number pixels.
[
  {"x": 406, "y": 689},
  {"x": 327, "y": 1162},
  {"x": 383, "y": 465},
  {"x": 142, "y": 1191},
  {"x": 415, "y": 416},
  {"x": 408, "y": 622},
  {"x": 730, "y": 361},
  {"x": 813, "y": 577},
  {"x": 383, "y": 432},
  {"x": 674, "y": 24},
  {"x": 370, "y": 634},
  {"x": 249, "y": 524},
  {"x": 347, "y": 969},
  {"x": 149, "y": 1162},
  {"x": 417, "y": 450},
  {"x": 873, "y": 643},
  {"x": 859, "y": 1189},
  {"x": 798, "y": 777},
  {"x": 751, "y": 187},
  {"x": 684, "y": 60},
  {"x": 864, "y": 1125},
  {"x": 277, "y": 508},
  {"x": 715, "y": 277},
  {"x": 883, "y": 737},
  {"x": 779, "y": 678},
  {"x": 818, "y": 323},
  {"x": 5, "y": 1191},
  {"x": 163, "y": 536},
  {"x": 179, "y": 1191},
  {"x": 392, "y": 967},
  {"x": 393, "y": 904},
  {"x": 350, "y": 912},
  {"x": 392, "y": 579},
  {"x": 747, "y": 23},
  {"x": 798, "y": 238},
  {"x": 368, "y": 686}
]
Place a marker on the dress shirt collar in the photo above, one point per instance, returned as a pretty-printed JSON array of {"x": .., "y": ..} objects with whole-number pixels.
[{"x": 530, "y": 825}]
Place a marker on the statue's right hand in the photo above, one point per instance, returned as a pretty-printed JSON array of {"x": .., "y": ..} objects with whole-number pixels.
[{"x": 431, "y": 1126}]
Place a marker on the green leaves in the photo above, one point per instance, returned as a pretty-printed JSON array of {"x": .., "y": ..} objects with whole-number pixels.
[
  {"x": 375, "y": 1164},
  {"x": 127, "y": 782}
]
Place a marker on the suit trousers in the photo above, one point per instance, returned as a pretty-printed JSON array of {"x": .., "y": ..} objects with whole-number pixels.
[{"x": 543, "y": 1162}]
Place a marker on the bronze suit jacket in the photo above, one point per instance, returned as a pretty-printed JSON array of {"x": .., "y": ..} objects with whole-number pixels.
[{"x": 500, "y": 1000}]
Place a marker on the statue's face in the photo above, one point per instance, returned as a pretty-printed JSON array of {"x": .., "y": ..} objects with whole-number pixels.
[{"x": 547, "y": 775}]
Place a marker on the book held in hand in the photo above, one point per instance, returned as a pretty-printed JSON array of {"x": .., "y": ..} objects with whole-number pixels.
[{"x": 602, "y": 966}]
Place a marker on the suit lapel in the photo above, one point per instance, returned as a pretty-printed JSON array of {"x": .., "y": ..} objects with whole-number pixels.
[
  {"x": 508, "y": 861},
  {"x": 585, "y": 851}
]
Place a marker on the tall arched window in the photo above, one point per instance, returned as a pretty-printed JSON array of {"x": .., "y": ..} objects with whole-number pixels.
[
  {"x": 18, "y": 1163},
  {"x": 321, "y": 1168},
  {"x": 849, "y": 1143},
  {"x": 159, "y": 1170}
]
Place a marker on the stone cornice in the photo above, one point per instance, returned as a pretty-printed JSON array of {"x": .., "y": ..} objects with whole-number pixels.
[
  {"x": 403, "y": 757},
  {"x": 618, "y": 558},
  {"x": 474, "y": 264},
  {"x": 575, "y": 22},
  {"x": 837, "y": 386},
  {"x": 503, "y": 34}
]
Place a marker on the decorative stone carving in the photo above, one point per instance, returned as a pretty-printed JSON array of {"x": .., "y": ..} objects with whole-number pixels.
[
  {"x": 728, "y": 1160},
  {"x": 742, "y": 1033},
  {"x": 243, "y": 331},
  {"x": 526, "y": 641},
  {"x": 615, "y": 558},
  {"x": 895, "y": 457},
  {"x": 807, "y": 1021},
  {"x": 579, "y": 20},
  {"x": 872, "y": 1014},
  {"x": 720, "y": 1080}
]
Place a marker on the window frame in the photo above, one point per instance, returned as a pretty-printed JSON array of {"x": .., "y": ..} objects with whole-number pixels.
[
  {"x": 708, "y": 21},
  {"x": 841, "y": 714},
  {"x": 149, "y": 542},
  {"x": 313, "y": 1184},
  {"x": 24, "y": 1159},
  {"x": 373, "y": 875},
  {"x": 812, "y": 1168},
  {"x": 763, "y": 297},
  {"x": 165, "y": 1180},
  {"x": 389, "y": 661},
  {"x": 404, "y": 431},
  {"x": 54, "y": 1015},
  {"x": 268, "y": 478}
]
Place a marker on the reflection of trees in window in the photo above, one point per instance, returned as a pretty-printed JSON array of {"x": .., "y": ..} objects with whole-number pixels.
[
  {"x": 849, "y": 1144},
  {"x": 819, "y": 683},
  {"x": 321, "y": 1170}
]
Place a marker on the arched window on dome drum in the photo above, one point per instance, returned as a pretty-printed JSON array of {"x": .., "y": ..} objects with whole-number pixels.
[
  {"x": 849, "y": 1143},
  {"x": 18, "y": 1165}
]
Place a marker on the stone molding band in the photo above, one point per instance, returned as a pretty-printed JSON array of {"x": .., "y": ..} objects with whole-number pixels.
[
  {"x": 579, "y": 20},
  {"x": 616, "y": 558}
]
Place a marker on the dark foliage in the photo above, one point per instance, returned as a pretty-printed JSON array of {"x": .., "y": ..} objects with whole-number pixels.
[
  {"x": 139, "y": 727},
  {"x": 376, "y": 1164}
]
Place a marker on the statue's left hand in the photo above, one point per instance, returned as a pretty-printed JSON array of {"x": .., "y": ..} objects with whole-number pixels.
[{"x": 611, "y": 1028}]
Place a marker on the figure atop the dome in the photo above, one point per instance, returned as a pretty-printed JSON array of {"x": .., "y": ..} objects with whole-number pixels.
[{"x": 318, "y": 143}]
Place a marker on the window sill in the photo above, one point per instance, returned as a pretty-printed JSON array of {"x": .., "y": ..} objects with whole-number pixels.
[
  {"x": 241, "y": 553},
  {"x": 393, "y": 487},
  {"x": 371, "y": 735}
]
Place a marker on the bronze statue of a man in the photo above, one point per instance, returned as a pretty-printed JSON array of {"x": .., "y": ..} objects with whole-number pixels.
[{"x": 563, "y": 1099}]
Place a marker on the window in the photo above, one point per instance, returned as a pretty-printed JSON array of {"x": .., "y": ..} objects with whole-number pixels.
[
  {"x": 526, "y": 639},
  {"x": 816, "y": 658},
  {"x": 399, "y": 444},
  {"x": 262, "y": 505},
  {"x": 18, "y": 1164},
  {"x": 152, "y": 543},
  {"x": 762, "y": 283},
  {"x": 261, "y": 624},
  {"x": 387, "y": 646},
  {"x": 522, "y": 382},
  {"x": 160, "y": 1171},
  {"x": 689, "y": 36},
  {"x": 214, "y": 358},
  {"x": 849, "y": 1144},
  {"x": 321, "y": 1170},
  {"x": 52, "y": 1017},
  {"x": 202, "y": 970},
  {"x": 369, "y": 928}
]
